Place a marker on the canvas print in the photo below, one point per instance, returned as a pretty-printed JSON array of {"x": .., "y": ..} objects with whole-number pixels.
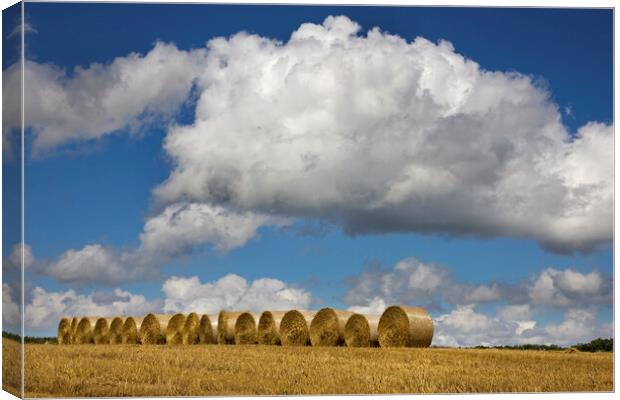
[{"x": 218, "y": 200}]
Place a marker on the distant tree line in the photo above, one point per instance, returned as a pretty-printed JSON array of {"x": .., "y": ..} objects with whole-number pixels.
[
  {"x": 528, "y": 346},
  {"x": 29, "y": 339},
  {"x": 595, "y": 345}
]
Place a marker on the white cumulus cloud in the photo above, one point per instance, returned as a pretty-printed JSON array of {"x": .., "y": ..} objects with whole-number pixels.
[
  {"x": 11, "y": 314},
  {"x": 46, "y": 308},
  {"x": 569, "y": 288},
  {"x": 464, "y": 326},
  {"x": 177, "y": 230},
  {"x": 377, "y": 134},
  {"x": 232, "y": 292},
  {"x": 412, "y": 281},
  {"x": 87, "y": 103}
]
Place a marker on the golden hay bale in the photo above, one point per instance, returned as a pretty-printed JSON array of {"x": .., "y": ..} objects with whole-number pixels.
[
  {"x": 205, "y": 331},
  {"x": 190, "y": 329},
  {"x": 174, "y": 329},
  {"x": 116, "y": 331},
  {"x": 295, "y": 328},
  {"x": 361, "y": 331},
  {"x": 84, "y": 332},
  {"x": 129, "y": 333},
  {"x": 74, "y": 323},
  {"x": 245, "y": 329},
  {"x": 64, "y": 331},
  {"x": 268, "y": 331},
  {"x": 327, "y": 327},
  {"x": 226, "y": 321},
  {"x": 150, "y": 331},
  {"x": 572, "y": 350},
  {"x": 101, "y": 334},
  {"x": 402, "y": 326}
]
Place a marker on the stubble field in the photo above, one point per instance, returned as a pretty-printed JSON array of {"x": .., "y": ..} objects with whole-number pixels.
[{"x": 205, "y": 370}]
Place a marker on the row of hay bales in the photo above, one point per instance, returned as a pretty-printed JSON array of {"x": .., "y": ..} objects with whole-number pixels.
[{"x": 398, "y": 326}]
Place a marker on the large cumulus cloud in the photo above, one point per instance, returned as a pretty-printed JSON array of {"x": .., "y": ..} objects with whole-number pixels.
[{"x": 378, "y": 134}]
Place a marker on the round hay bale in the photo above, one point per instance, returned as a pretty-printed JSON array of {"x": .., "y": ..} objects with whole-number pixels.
[
  {"x": 361, "y": 331},
  {"x": 150, "y": 331},
  {"x": 205, "y": 330},
  {"x": 74, "y": 323},
  {"x": 64, "y": 331},
  {"x": 402, "y": 326},
  {"x": 245, "y": 329},
  {"x": 190, "y": 329},
  {"x": 226, "y": 321},
  {"x": 268, "y": 331},
  {"x": 174, "y": 329},
  {"x": 327, "y": 327},
  {"x": 571, "y": 350},
  {"x": 129, "y": 333},
  {"x": 101, "y": 334},
  {"x": 116, "y": 331},
  {"x": 84, "y": 332},
  {"x": 295, "y": 328}
]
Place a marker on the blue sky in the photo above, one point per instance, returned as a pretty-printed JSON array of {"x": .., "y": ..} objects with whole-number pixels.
[{"x": 99, "y": 190}]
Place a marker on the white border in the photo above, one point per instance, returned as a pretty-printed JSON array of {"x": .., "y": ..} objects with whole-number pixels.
[{"x": 452, "y": 3}]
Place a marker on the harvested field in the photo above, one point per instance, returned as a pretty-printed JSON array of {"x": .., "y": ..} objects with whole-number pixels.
[{"x": 121, "y": 370}]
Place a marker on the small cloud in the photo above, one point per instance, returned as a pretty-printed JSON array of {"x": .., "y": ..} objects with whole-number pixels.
[{"x": 28, "y": 28}]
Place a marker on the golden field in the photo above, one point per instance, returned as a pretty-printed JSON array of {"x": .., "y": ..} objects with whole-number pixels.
[{"x": 134, "y": 370}]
